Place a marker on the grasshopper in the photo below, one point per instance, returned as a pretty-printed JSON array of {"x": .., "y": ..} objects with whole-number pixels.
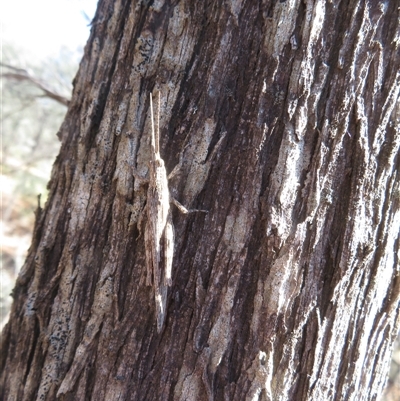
[{"x": 159, "y": 229}]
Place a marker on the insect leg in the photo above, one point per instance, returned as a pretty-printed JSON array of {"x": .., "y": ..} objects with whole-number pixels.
[{"x": 182, "y": 208}]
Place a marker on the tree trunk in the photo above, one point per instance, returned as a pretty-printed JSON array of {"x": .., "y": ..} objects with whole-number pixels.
[{"x": 285, "y": 118}]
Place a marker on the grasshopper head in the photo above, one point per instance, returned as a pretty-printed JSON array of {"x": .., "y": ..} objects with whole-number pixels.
[{"x": 157, "y": 163}]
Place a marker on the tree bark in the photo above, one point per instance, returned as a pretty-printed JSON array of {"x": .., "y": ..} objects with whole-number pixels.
[{"x": 285, "y": 117}]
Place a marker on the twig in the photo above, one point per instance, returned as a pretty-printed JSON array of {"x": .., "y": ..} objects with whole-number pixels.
[{"x": 20, "y": 74}]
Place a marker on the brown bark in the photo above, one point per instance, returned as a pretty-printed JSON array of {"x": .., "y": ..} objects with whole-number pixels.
[{"x": 288, "y": 289}]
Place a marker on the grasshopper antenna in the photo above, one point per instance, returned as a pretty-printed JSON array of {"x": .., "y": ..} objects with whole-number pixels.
[
  {"x": 155, "y": 131},
  {"x": 157, "y": 139},
  {"x": 153, "y": 144}
]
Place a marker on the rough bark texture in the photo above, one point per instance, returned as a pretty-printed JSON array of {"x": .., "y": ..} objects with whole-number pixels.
[{"x": 285, "y": 116}]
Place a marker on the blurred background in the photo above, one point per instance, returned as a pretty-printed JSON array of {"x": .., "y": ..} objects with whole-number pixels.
[{"x": 42, "y": 43}]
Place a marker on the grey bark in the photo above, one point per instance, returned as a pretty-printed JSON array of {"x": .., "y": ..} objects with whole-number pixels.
[{"x": 285, "y": 117}]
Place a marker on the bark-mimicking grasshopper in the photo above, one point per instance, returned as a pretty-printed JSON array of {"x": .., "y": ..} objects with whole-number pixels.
[{"x": 159, "y": 230}]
